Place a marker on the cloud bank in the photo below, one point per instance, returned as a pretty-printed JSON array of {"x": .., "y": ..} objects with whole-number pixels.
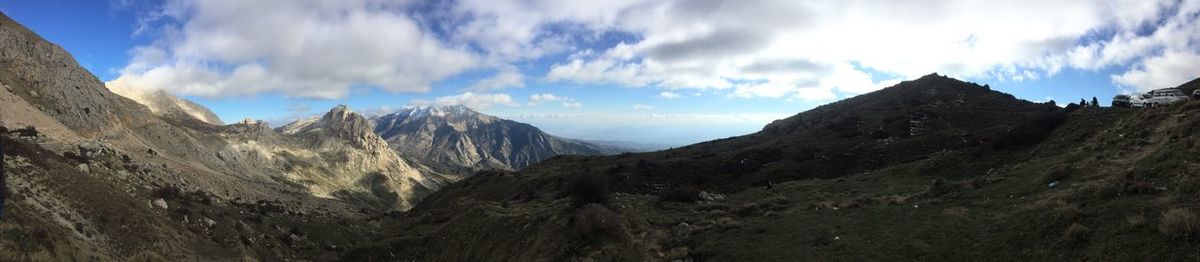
[{"x": 801, "y": 50}]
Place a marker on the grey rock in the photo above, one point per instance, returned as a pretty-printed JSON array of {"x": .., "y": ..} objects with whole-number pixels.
[{"x": 706, "y": 196}]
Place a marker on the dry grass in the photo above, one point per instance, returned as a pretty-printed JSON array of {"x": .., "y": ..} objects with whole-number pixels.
[
  {"x": 595, "y": 221},
  {"x": 1075, "y": 234},
  {"x": 1180, "y": 222}
]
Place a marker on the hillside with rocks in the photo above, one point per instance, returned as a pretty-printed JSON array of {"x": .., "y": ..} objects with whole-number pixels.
[
  {"x": 929, "y": 169},
  {"x": 458, "y": 138},
  {"x": 98, "y": 176}
]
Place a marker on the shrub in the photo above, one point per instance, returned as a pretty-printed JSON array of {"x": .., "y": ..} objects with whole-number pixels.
[
  {"x": 595, "y": 221},
  {"x": 589, "y": 189},
  {"x": 1180, "y": 222},
  {"x": 28, "y": 131},
  {"x": 686, "y": 194},
  {"x": 168, "y": 192},
  {"x": 1075, "y": 234}
]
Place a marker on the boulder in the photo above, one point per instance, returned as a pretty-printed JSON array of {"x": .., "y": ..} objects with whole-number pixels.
[
  {"x": 710, "y": 197},
  {"x": 160, "y": 203}
]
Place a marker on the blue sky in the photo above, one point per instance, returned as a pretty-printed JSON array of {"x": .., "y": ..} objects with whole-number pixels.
[{"x": 668, "y": 72}]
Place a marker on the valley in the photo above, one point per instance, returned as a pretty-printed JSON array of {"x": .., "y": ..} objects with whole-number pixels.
[{"x": 931, "y": 168}]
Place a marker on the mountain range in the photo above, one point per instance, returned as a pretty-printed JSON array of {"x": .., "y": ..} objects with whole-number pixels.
[
  {"x": 458, "y": 137},
  {"x": 104, "y": 174},
  {"x": 933, "y": 168}
]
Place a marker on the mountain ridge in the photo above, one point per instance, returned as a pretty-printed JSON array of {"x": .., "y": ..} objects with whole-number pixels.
[{"x": 463, "y": 137}]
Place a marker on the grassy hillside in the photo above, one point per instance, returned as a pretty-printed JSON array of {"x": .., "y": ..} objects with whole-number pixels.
[{"x": 978, "y": 175}]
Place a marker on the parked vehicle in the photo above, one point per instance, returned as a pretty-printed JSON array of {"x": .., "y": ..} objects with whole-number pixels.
[
  {"x": 1140, "y": 101},
  {"x": 1167, "y": 96},
  {"x": 1196, "y": 94},
  {"x": 1120, "y": 101}
]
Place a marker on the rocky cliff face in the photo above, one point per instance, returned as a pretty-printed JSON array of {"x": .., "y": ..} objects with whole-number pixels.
[
  {"x": 461, "y": 137},
  {"x": 51, "y": 81}
]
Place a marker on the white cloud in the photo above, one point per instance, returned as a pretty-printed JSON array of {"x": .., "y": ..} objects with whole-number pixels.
[
  {"x": 572, "y": 104},
  {"x": 668, "y": 95},
  {"x": 762, "y": 48},
  {"x": 307, "y": 48},
  {"x": 641, "y": 107},
  {"x": 805, "y": 50},
  {"x": 1167, "y": 70},
  {"x": 470, "y": 99},
  {"x": 507, "y": 77},
  {"x": 537, "y": 99}
]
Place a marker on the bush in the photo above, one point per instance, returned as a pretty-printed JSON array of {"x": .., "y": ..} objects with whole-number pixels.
[
  {"x": 1032, "y": 131},
  {"x": 1180, "y": 222},
  {"x": 588, "y": 189},
  {"x": 686, "y": 194},
  {"x": 1075, "y": 234},
  {"x": 28, "y": 131},
  {"x": 595, "y": 221}
]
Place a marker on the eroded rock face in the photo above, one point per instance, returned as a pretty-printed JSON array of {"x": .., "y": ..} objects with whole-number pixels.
[
  {"x": 49, "y": 78},
  {"x": 464, "y": 138}
]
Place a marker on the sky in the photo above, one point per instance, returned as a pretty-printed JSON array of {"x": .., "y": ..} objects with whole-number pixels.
[{"x": 668, "y": 72}]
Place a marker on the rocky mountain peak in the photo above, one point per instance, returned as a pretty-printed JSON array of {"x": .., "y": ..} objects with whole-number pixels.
[
  {"x": 346, "y": 124},
  {"x": 460, "y": 137},
  {"x": 444, "y": 111}
]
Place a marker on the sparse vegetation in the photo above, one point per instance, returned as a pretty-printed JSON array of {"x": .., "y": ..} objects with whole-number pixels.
[
  {"x": 685, "y": 194},
  {"x": 594, "y": 222},
  {"x": 589, "y": 188},
  {"x": 1032, "y": 131},
  {"x": 1180, "y": 222},
  {"x": 1076, "y": 234}
]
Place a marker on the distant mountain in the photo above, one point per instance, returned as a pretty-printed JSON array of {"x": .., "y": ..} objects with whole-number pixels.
[
  {"x": 354, "y": 163},
  {"x": 456, "y": 137},
  {"x": 819, "y": 175},
  {"x": 164, "y": 104}
]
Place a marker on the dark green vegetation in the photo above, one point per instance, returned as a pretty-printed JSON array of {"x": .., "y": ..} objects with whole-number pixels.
[{"x": 930, "y": 169}]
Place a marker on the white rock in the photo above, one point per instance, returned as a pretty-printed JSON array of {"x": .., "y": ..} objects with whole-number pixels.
[
  {"x": 160, "y": 203},
  {"x": 83, "y": 168}
]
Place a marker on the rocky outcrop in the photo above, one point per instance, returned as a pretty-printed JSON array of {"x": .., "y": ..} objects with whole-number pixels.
[
  {"x": 466, "y": 139},
  {"x": 339, "y": 123}
]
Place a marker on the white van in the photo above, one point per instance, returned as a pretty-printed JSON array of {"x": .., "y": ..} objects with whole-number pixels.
[
  {"x": 1167, "y": 96},
  {"x": 1139, "y": 101}
]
